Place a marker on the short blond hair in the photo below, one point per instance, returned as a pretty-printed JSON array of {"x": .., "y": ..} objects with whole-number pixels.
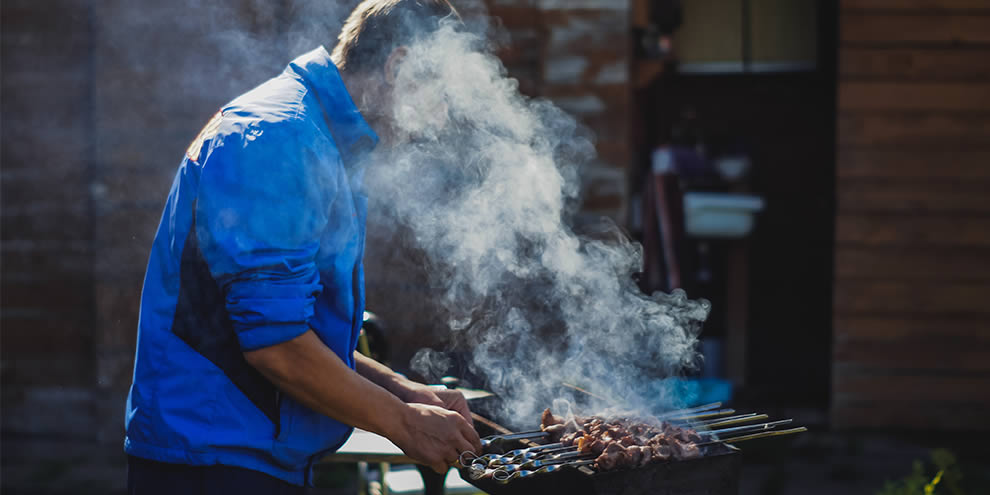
[{"x": 376, "y": 27}]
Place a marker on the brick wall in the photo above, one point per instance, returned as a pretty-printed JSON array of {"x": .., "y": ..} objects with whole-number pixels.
[
  {"x": 577, "y": 53},
  {"x": 100, "y": 100},
  {"x": 47, "y": 219},
  {"x": 912, "y": 263}
]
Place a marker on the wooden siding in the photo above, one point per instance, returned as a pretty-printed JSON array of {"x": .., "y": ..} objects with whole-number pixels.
[{"x": 912, "y": 263}]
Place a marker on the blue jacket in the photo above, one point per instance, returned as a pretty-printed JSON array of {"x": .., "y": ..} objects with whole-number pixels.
[{"x": 261, "y": 239}]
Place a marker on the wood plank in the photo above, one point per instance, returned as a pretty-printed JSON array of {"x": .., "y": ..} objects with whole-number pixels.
[
  {"x": 888, "y": 28},
  {"x": 871, "y": 95},
  {"x": 883, "y": 387},
  {"x": 915, "y": 4},
  {"x": 918, "y": 129},
  {"x": 913, "y": 196},
  {"x": 919, "y": 231},
  {"x": 912, "y": 264},
  {"x": 880, "y": 329},
  {"x": 913, "y": 412},
  {"x": 872, "y": 297},
  {"x": 933, "y": 64},
  {"x": 924, "y": 356},
  {"x": 915, "y": 164}
]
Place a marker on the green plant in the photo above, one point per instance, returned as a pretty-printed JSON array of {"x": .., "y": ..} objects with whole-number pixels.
[{"x": 947, "y": 477}]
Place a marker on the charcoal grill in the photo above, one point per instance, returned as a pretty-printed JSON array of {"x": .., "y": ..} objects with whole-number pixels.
[
  {"x": 559, "y": 468},
  {"x": 715, "y": 473}
]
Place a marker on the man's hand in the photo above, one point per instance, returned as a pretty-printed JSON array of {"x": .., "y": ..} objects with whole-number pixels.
[
  {"x": 311, "y": 373},
  {"x": 436, "y": 422},
  {"x": 435, "y": 436},
  {"x": 412, "y": 392}
]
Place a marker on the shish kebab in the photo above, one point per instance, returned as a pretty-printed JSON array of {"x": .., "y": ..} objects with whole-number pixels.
[{"x": 619, "y": 442}]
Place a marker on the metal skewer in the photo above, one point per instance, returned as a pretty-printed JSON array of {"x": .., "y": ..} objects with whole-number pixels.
[
  {"x": 692, "y": 410},
  {"x": 705, "y": 415},
  {"x": 472, "y": 458},
  {"x": 503, "y": 460},
  {"x": 747, "y": 428},
  {"x": 477, "y": 472},
  {"x": 526, "y": 435},
  {"x": 505, "y": 477},
  {"x": 540, "y": 448},
  {"x": 514, "y": 456},
  {"x": 731, "y": 420},
  {"x": 536, "y": 464},
  {"x": 589, "y": 393},
  {"x": 755, "y": 436}
]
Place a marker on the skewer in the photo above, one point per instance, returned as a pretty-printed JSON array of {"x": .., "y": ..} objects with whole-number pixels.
[
  {"x": 731, "y": 420},
  {"x": 755, "y": 436},
  {"x": 527, "y": 453},
  {"x": 525, "y": 435},
  {"x": 503, "y": 477},
  {"x": 517, "y": 452},
  {"x": 497, "y": 460},
  {"x": 543, "y": 454},
  {"x": 491, "y": 424},
  {"x": 748, "y": 428},
  {"x": 470, "y": 458},
  {"x": 477, "y": 472},
  {"x": 705, "y": 415},
  {"x": 536, "y": 464},
  {"x": 506, "y": 460},
  {"x": 691, "y": 410},
  {"x": 497, "y": 427},
  {"x": 588, "y": 393},
  {"x": 539, "y": 448}
]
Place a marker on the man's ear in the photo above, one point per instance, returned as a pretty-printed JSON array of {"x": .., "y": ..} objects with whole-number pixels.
[{"x": 392, "y": 64}]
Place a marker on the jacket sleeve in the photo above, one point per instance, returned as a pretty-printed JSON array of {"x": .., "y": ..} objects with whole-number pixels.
[{"x": 261, "y": 209}]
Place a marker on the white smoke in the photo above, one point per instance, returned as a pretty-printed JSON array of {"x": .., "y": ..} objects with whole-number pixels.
[{"x": 483, "y": 197}]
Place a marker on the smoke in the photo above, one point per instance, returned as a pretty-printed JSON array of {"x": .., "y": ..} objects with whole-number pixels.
[
  {"x": 479, "y": 198},
  {"x": 472, "y": 213}
]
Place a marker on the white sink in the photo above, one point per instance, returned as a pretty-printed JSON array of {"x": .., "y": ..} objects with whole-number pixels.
[{"x": 721, "y": 215}]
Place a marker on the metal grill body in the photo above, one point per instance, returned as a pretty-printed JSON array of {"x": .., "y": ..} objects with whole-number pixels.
[{"x": 716, "y": 473}]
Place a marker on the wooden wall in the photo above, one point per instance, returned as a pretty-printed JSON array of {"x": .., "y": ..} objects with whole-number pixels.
[{"x": 912, "y": 260}]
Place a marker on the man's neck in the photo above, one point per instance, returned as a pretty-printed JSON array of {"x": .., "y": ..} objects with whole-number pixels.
[{"x": 369, "y": 97}]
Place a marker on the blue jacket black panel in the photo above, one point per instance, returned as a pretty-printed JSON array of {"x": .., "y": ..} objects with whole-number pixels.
[{"x": 261, "y": 239}]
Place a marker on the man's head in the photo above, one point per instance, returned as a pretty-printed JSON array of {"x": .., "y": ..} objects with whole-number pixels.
[
  {"x": 376, "y": 28},
  {"x": 372, "y": 45}
]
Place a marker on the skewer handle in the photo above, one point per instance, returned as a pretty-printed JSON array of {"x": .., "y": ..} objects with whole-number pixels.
[
  {"x": 755, "y": 436},
  {"x": 691, "y": 410},
  {"x": 705, "y": 415},
  {"x": 747, "y": 428},
  {"x": 732, "y": 420}
]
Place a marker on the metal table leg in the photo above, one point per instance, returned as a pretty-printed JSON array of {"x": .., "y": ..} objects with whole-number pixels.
[{"x": 433, "y": 483}]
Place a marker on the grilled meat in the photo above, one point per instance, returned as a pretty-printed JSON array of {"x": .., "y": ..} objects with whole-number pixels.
[{"x": 622, "y": 442}]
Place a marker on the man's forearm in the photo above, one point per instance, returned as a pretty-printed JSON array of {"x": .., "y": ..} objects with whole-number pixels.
[
  {"x": 427, "y": 428},
  {"x": 311, "y": 373},
  {"x": 379, "y": 374}
]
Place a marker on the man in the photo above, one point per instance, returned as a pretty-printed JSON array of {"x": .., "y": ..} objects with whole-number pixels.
[{"x": 245, "y": 372}]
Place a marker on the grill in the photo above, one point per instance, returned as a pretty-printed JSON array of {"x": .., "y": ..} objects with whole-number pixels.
[
  {"x": 512, "y": 464},
  {"x": 716, "y": 473}
]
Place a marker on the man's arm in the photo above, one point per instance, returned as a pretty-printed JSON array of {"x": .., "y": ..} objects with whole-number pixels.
[
  {"x": 410, "y": 391},
  {"x": 309, "y": 372}
]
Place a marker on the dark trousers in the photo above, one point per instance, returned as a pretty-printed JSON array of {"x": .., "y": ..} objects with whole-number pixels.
[{"x": 146, "y": 477}]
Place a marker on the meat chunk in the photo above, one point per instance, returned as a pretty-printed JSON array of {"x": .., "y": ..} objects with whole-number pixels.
[
  {"x": 623, "y": 442},
  {"x": 612, "y": 457},
  {"x": 548, "y": 419}
]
